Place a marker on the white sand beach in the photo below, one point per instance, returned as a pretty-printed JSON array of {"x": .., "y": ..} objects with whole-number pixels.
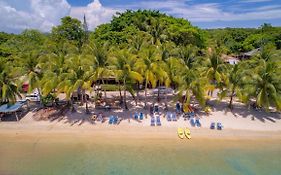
[{"x": 242, "y": 122}]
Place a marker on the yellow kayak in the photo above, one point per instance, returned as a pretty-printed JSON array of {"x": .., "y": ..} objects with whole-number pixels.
[
  {"x": 180, "y": 133},
  {"x": 187, "y": 133}
]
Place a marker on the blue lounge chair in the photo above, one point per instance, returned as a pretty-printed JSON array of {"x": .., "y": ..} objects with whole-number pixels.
[
  {"x": 213, "y": 125},
  {"x": 192, "y": 114},
  {"x": 158, "y": 122},
  {"x": 141, "y": 116},
  {"x": 115, "y": 120},
  {"x": 111, "y": 118},
  {"x": 169, "y": 116},
  {"x": 174, "y": 117},
  {"x": 197, "y": 121},
  {"x": 219, "y": 126},
  {"x": 192, "y": 122},
  {"x": 156, "y": 109},
  {"x": 136, "y": 116},
  {"x": 152, "y": 122}
]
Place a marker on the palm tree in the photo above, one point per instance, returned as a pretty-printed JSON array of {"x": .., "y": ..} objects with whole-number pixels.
[
  {"x": 192, "y": 83},
  {"x": 123, "y": 64},
  {"x": 263, "y": 83},
  {"x": 99, "y": 58},
  {"x": 188, "y": 55},
  {"x": 77, "y": 78},
  {"x": 235, "y": 77},
  {"x": 8, "y": 88},
  {"x": 147, "y": 66},
  {"x": 54, "y": 65},
  {"x": 215, "y": 69},
  {"x": 29, "y": 67}
]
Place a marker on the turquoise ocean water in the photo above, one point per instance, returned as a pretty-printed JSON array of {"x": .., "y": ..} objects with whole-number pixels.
[{"x": 140, "y": 158}]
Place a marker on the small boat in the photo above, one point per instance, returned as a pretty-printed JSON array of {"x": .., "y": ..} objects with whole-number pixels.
[
  {"x": 180, "y": 133},
  {"x": 187, "y": 133}
]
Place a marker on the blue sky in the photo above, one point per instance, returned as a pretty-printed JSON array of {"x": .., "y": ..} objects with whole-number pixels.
[
  {"x": 17, "y": 15},
  {"x": 212, "y": 14}
]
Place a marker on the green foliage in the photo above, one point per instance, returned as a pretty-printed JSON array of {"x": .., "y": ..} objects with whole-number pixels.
[
  {"x": 158, "y": 27},
  {"x": 237, "y": 40},
  {"x": 49, "y": 99},
  {"x": 143, "y": 47},
  {"x": 70, "y": 29}
]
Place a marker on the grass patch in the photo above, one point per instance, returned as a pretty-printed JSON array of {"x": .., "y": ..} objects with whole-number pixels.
[{"x": 111, "y": 87}]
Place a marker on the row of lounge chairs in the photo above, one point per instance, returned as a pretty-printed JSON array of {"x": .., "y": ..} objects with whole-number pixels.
[
  {"x": 219, "y": 126},
  {"x": 171, "y": 116},
  {"x": 138, "y": 116},
  {"x": 114, "y": 120},
  {"x": 158, "y": 121},
  {"x": 195, "y": 122}
]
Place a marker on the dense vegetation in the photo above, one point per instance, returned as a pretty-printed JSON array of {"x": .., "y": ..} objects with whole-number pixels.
[
  {"x": 237, "y": 40},
  {"x": 143, "y": 47}
]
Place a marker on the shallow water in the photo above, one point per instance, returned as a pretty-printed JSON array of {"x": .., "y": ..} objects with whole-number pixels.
[{"x": 81, "y": 157}]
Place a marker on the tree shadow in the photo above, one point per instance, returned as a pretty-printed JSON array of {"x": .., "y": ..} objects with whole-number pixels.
[{"x": 245, "y": 111}]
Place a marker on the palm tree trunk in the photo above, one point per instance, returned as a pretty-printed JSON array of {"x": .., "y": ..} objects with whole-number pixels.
[
  {"x": 72, "y": 106},
  {"x": 231, "y": 98},
  {"x": 145, "y": 94},
  {"x": 87, "y": 108},
  {"x": 104, "y": 89},
  {"x": 137, "y": 99},
  {"x": 82, "y": 96},
  {"x": 125, "y": 103},
  {"x": 158, "y": 95},
  {"x": 120, "y": 93},
  {"x": 166, "y": 101}
]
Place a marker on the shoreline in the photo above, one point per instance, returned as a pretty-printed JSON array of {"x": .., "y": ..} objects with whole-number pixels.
[{"x": 135, "y": 133}]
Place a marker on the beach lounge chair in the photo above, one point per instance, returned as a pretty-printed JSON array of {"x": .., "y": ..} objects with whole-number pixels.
[
  {"x": 152, "y": 122},
  {"x": 174, "y": 117},
  {"x": 213, "y": 125},
  {"x": 111, "y": 118},
  {"x": 115, "y": 120},
  {"x": 156, "y": 109},
  {"x": 219, "y": 126},
  {"x": 197, "y": 122},
  {"x": 99, "y": 117},
  {"x": 141, "y": 116},
  {"x": 158, "y": 122},
  {"x": 192, "y": 122},
  {"x": 169, "y": 116},
  {"x": 136, "y": 116}
]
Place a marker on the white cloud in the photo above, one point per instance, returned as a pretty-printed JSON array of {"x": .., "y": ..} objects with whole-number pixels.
[
  {"x": 16, "y": 16},
  {"x": 255, "y": 1},
  {"x": 95, "y": 12},
  {"x": 209, "y": 12}
]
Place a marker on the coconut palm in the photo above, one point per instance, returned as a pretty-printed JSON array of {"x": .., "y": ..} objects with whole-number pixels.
[
  {"x": 263, "y": 83},
  {"x": 54, "y": 65},
  {"x": 8, "y": 88},
  {"x": 77, "y": 78},
  {"x": 123, "y": 64},
  {"x": 147, "y": 65},
  {"x": 29, "y": 67},
  {"x": 215, "y": 69},
  {"x": 236, "y": 75},
  {"x": 193, "y": 84},
  {"x": 188, "y": 55},
  {"x": 98, "y": 55}
]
